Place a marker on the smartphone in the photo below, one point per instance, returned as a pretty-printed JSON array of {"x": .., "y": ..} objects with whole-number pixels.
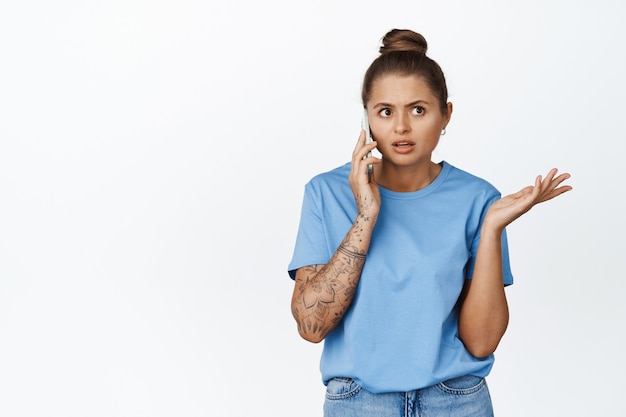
[{"x": 365, "y": 124}]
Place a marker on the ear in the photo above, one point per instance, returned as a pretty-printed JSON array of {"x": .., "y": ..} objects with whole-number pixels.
[{"x": 447, "y": 116}]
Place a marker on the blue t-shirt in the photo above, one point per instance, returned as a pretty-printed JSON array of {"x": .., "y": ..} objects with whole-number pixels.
[{"x": 401, "y": 330}]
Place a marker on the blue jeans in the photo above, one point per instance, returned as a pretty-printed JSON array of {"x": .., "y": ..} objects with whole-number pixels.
[{"x": 466, "y": 396}]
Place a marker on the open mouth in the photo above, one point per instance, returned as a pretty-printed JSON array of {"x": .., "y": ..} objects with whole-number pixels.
[{"x": 402, "y": 144}]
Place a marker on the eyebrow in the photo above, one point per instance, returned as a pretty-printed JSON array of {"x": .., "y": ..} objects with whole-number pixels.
[{"x": 411, "y": 104}]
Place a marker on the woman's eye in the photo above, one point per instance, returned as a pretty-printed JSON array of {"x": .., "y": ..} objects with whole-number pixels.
[
  {"x": 418, "y": 110},
  {"x": 385, "y": 112}
]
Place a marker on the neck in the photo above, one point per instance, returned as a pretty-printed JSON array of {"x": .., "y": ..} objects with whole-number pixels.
[{"x": 407, "y": 179}]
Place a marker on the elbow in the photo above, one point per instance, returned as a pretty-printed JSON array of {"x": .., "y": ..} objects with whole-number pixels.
[
  {"x": 311, "y": 337},
  {"x": 310, "y": 334},
  {"x": 307, "y": 331},
  {"x": 482, "y": 338},
  {"x": 481, "y": 345},
  {"x": 480, "y": 350}
]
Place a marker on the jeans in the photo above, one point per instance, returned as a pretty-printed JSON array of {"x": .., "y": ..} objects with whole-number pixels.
[{"x": 466, "y": 396}]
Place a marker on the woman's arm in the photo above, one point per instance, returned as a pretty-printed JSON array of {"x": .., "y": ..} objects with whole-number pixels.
[
  {"x": 323, "y": 293},
  {"x": 484, "y": 313}
]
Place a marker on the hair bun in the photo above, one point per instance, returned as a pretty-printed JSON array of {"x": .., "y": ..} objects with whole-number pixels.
[{"x": 403, "y": 40}]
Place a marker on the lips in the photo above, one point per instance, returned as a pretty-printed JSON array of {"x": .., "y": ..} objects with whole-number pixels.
[
  {"x": 403, "y": 143},
  {"x": 403, "y": 146}
]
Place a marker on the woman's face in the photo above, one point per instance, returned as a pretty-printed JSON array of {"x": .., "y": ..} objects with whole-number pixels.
[{"x": 405, "y": 119}]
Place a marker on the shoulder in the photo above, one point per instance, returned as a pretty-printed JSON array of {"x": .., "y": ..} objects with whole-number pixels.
[
  {"x": 470, "y": 188},
  {"x": 333, "y": 178},
  {"x": 329, "y": 191},
  {"x": 463, "y": 180}
]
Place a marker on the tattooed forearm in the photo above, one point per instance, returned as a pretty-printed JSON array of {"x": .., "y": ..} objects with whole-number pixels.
[
  {"x": 348, "y": 252},
  {"x": 324, "y": 293}
]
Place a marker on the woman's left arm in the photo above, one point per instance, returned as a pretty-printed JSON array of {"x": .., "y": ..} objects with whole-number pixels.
[{"x": 484, "y": 313}]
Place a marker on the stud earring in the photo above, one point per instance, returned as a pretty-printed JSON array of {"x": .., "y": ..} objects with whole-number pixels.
[{"x": 443, "y": 132}]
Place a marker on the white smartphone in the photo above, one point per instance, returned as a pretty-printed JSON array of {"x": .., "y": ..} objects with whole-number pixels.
[{"x": 365, "y": 124}]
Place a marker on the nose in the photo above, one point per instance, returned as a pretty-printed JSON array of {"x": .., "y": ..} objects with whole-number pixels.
[{"x": 401, "y": 123}]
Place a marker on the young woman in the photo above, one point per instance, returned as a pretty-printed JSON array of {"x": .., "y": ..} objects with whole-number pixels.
[{"x": 403, "y": 274}]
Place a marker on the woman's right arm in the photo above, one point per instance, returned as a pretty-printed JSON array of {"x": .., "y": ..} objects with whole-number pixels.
[{"x": 323, "y": 293}]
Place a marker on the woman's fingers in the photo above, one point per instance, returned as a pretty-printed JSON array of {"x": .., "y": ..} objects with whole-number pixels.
[
  {"x": 365, "y": 189},
  {"x": 550, "y": 186},
  {"x": 508, "y": 208},
  {"x": 360, "y": 159},
  {"x": 362, "y": 148}
]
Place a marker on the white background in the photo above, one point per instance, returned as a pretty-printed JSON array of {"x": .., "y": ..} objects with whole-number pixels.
[{"x": 153, "y": 156}]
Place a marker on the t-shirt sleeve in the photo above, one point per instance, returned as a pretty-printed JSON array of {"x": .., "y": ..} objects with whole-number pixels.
[
  {"x": 311, "y": 247},
  {"x": 506, "y": 263}
]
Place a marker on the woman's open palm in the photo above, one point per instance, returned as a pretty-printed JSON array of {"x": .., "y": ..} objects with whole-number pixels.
[{"x": 508, "y": 208}]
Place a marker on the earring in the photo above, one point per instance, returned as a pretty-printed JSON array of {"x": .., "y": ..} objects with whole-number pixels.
[{"x": 443, "y": 132}]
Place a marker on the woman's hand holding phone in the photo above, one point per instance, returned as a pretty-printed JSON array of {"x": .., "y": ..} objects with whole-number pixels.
[
  {"x": 362, "y": 179},
  {"x": 365, "y": 125}
]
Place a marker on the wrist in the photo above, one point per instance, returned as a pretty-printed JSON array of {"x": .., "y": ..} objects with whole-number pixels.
[
  {"x": 489, "y": 229},
  {"x": 350, "y": 252}
]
